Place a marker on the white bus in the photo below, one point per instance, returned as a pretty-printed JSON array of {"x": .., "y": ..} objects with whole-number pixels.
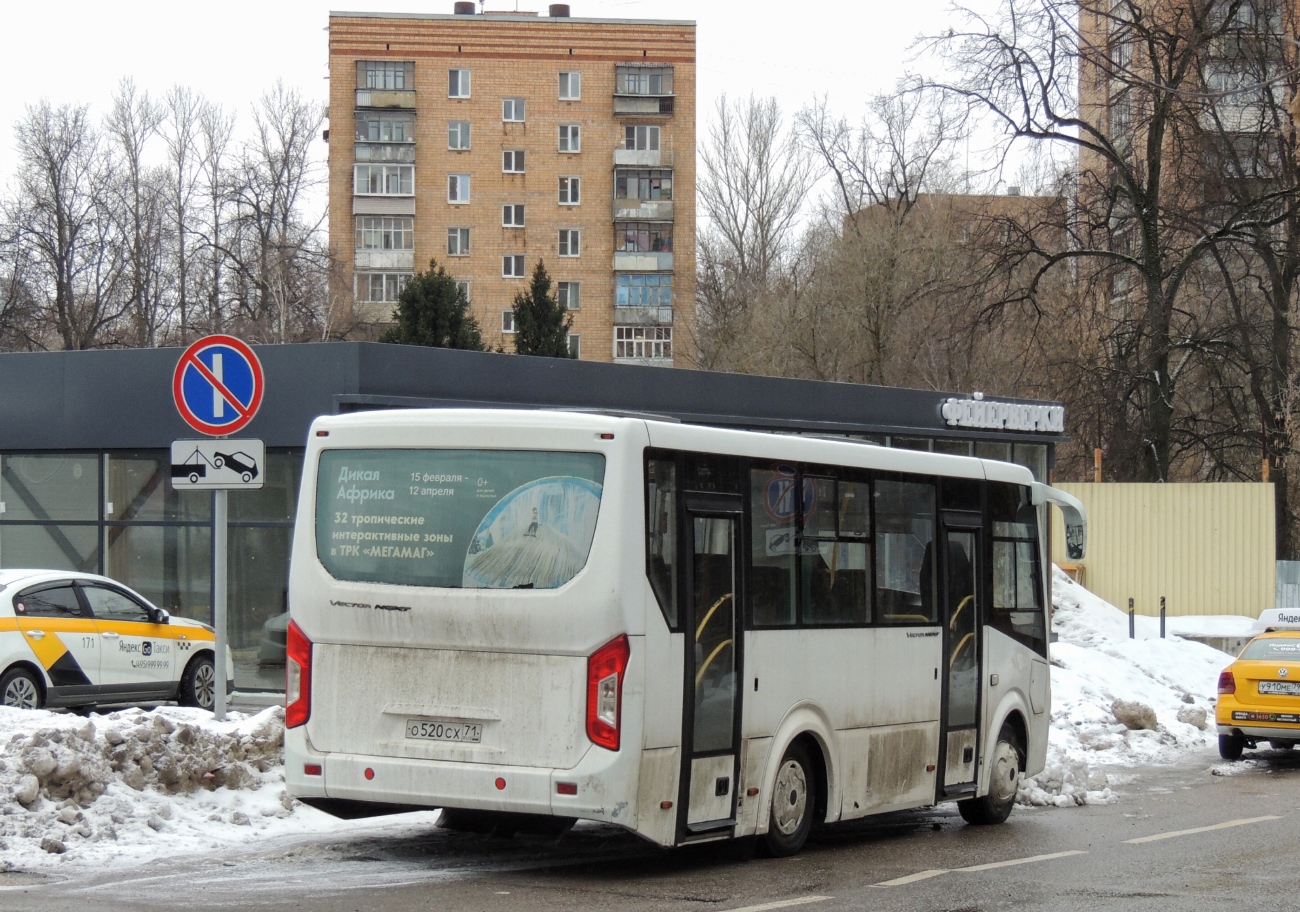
[{"x": 691, "y": 632}]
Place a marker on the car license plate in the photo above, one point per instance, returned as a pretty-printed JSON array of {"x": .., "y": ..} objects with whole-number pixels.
[
  {"x": 1279, "y": 687},
  {"x": 444, "y": 730}
]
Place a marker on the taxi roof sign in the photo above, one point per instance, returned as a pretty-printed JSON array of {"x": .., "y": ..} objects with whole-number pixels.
[{"x": 1278, "y": 619}]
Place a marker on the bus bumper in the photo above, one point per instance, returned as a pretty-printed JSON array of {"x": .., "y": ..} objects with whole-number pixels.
[{"x": 598, "y": 779}]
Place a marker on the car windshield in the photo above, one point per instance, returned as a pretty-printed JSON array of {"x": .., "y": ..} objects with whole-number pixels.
[{"x": 1273, "y": 649}]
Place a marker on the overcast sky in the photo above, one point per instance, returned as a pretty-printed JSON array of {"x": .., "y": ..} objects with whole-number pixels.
[{"x": 231, "y": 51}]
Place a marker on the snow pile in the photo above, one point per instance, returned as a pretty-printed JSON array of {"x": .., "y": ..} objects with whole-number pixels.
[
  {"x": 139, "y": 783},
  {"x": 1118, "y": 702}
]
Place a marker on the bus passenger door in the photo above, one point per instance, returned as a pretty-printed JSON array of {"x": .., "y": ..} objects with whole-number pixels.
[
  {"x": 712, "y": 694},
  {"x": 962, "y": 619}
]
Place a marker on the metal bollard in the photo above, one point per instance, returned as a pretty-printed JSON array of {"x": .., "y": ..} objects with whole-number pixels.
[
  {"x": 1130, "y": 620},
  {"x": 1162, "y": 617}
]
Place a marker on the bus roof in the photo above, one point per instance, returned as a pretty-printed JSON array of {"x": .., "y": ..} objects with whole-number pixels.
[{"x": 672, "y": 434}]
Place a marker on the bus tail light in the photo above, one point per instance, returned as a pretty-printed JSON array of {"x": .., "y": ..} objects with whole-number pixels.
[
  {"x": 1227, "y": 683},
  {"x": 605, "y": 671},
  {"x": 297, "y": 673}
]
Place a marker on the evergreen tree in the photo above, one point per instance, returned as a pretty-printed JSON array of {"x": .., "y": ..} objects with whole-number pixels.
[
  {"x": 432, "y": 310},
  {"x": 542, "y": 323}
]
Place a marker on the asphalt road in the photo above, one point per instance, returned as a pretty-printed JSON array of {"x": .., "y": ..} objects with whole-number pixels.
[{"x": 1178, "y": 838}]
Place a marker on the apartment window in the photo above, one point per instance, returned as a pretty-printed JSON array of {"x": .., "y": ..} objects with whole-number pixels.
[
  {"x": 643, "y": 290},
  {"x": 458, "y": 134},
  {"x": 575, "y": 345},
  {"x": 458, "y": 83},
  {"x": 643, "y": 237},
  {"x": 643, "y": 342},
  {"x": 643, "y": 185},
  {"x": 385, "y": 233},
  {"x": 570, "y": 138},
  {"x": 457, "y": 242},
  {"x": 568, "y": 294},
  {"x": 463, "y": 287},
  {"x": 642, "y": 138},
  {"x": 458, "y": 188},
  {"x": 570, "y": 86},
  {"x": 570, "y": 242},
  {"x": 512, "y": 267},
  {"x": 512, "y": 161},
  {"x": 383, "y": 126},
  {"x": 643, "y": 80},
  {"x": 380, "y": 287},
  {"x": 512, "y": 110},
  {"x": 384, "y": 180},
  {"x": 385, "y": 75},
  {"x": 508, "y": 321},
  {"x": 512, "y": 215},
  {"x": 570, "y": 191}
]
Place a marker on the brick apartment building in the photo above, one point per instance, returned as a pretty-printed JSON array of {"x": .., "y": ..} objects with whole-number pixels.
[{"x": 490, "y": 141}]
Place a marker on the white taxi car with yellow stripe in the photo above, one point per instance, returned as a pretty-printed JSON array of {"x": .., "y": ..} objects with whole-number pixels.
[{"x": 76, "y": 639}]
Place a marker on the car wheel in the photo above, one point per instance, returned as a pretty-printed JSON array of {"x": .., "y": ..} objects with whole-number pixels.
[
  {"x": 199, "y": 683},
  {"x": 19, "y": 689},
  {"x": 794, "y": 798},
  {"x": 1231, "y": 746},
  {"x": 1004, "y": 782},
  {"x": 218, "y": 462}
]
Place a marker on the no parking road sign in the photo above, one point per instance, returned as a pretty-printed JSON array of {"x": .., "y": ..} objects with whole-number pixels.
[{"x": 218, "y": 385}]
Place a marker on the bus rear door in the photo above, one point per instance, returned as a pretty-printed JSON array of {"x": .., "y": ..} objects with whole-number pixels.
[
  {"x": 712, "y": 694},
  {"x": 962, "y": 618}
]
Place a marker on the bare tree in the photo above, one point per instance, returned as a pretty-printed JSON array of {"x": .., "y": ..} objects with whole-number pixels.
[
  {"x": 181, "y": 133},
  {"x": 216, "y": 136},
  {"x": 64, "y": 221},
  {"x": 754, "y": 182}
]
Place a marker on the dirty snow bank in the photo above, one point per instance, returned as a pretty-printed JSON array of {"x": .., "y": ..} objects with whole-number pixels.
[
  {"x": 136, "y": 784},
  {"x": 1118, "y": 702}
]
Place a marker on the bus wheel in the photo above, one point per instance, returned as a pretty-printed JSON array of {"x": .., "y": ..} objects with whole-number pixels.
[
  {"x": 794, "y": 796},
  {"x": 1004, "y": 781}
]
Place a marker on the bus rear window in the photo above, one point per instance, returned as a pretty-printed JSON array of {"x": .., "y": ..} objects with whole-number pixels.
[{"x": 475, "y": 519}]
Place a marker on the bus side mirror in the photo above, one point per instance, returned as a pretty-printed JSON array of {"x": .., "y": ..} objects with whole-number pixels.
[{"x": 1073, "y": 514}]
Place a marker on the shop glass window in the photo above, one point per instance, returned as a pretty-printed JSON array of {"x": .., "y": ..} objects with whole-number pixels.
[
  {"x": 49, "y": 488},
  {"x": 139, "y": 488},
  {"x": 50, "y": 546}
]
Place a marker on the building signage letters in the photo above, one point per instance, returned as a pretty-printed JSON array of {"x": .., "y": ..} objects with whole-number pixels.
[{"x": 1003, "y": 416}]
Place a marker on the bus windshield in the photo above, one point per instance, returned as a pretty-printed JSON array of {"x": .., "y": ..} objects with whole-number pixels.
[{"x": 483, "y": 519}]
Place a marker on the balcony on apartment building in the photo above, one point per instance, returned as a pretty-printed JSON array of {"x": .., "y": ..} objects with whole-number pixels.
[
  {"x": 385, "y": 84},
  {"x": 643, "y": 89},
  {"x": 643, "y": 195},
  {"x": 643, "y": 246}
]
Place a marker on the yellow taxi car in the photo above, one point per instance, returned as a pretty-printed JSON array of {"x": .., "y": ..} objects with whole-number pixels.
[
  {"x": 77, "y": 639},
  {"x": 1259, "y": 694}
]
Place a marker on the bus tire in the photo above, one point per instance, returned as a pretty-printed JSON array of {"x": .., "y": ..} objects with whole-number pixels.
[
  {"x": 1231, "y": 746},
  {"x": 794, "y": 801},
  {"x": 199, "y": 683},
  {"x": 1004, "y": 782}
]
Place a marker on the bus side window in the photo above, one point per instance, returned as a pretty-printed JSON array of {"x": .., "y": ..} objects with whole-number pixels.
[
  {"x": 661, "y": 534},
  {"x": 834, "y": 559},
  {"x": 1017, "y": 609},
  {"x": 904, "y": 529},
  {"x": 773, "y": 504}
]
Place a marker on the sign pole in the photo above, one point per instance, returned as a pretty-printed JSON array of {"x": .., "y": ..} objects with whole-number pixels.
[{"x": 219, "y": 600}]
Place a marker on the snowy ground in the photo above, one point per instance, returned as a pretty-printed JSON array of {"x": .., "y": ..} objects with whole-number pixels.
[{"x": 129, "y": 786}]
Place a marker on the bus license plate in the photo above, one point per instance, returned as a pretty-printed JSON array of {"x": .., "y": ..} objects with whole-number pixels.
[
  {"x": 443, "y": 730},
  {"x": 1279, "y": 687}
]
